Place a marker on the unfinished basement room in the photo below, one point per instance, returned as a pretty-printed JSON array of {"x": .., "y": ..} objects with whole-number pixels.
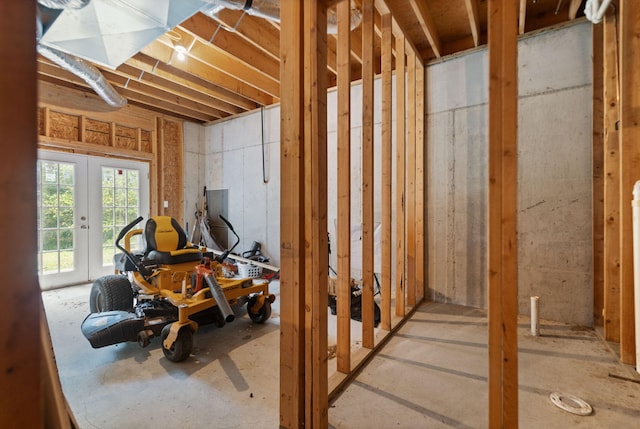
[{"x": 344, "y": 214}]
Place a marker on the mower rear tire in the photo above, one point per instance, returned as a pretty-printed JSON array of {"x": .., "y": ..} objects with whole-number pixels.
[
  {"x": 263, "y": 314},
  {"x": 182, "y": 346},
  {"x": 111, "y": 293}
]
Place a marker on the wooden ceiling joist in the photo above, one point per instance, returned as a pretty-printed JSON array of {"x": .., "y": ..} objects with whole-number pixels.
[
  {"x": 157, "y": 68},
  {"x": 428, "y": 26},
  {"x": 136, "y": 93},
  {"x": 164, "y": 53},
  {"x": 161, "y": 83},
  {"x": 230, "y": 42},
  {"x": 256, "y": 31},
  {"x": 474, "y": 22},
  {"x": 522, "y": 19}
]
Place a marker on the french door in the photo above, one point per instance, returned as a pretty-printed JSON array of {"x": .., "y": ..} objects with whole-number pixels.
[{"x": 83, "y": 203}]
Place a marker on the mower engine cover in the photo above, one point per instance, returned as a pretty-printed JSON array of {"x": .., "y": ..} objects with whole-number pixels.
[{"x": 111, "y": 327}]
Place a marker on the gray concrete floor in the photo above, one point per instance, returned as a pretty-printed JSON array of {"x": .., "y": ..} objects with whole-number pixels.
[{"x": 432, "y": 374}]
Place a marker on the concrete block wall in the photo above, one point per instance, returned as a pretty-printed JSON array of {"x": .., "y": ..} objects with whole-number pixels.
[{"x": 554, "y": 176}]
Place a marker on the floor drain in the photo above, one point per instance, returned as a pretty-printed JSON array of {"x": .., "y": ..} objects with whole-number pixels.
[{"x": 571, "y": 403}]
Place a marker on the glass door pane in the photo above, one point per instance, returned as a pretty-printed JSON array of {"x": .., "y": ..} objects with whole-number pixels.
[
  {"x": 122, "y": 195},
  {"x": 61, "y": 230}
]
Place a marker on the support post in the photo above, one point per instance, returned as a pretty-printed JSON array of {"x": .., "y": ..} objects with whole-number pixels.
[
  {"x": 400, "y": 176},
  {"x": 502, "y": 255},
  {"x": 387, "y": 178},
  {"x": 21, "y": 403},
  {"x": 611, "y": 159},
  {"x": 629, "y": 167},
  {"x": 368, "y": 226},
  {"x": 343, "y": 346},
  {"x": 292, "y": 246}
]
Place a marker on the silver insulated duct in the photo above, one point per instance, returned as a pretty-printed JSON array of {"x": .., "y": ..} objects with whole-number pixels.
[
  {"x": 87, "y": 72},
  {"x": 270, "y": 9},
  {"x": 81, "y": 68},
  {"x": 64, "y": 4}
]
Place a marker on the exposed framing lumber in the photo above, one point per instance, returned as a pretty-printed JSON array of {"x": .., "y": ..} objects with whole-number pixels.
[
  {"x": 574, "y": 7},
  {"x": 611, "y": 157},
  {"x": 232, "y": 43},
  {"x": 368, "y": 225},
  {"x": 22, "y": 357},
  {"x": 387, "y": 174},
  {"x": 428, "y": 26},
  {"x": 502, "y": 239},
  {"x": 292, "y": 247},
  {"x": 522, "y": 20},
  {"x": 410, "y": 178},
  {"x": 258, "y": 31},
  {"x": 474, "y": 21},
  {"x": 421, "y": 215},
  {"x": 163, "y": 52},
  {"x": 598, "y": 156},
  {"x": 155, "y": 67},
  {"x": 629, "y": 167},
  {"x": 315, "y": 209},
  {"x": 400, "y": 176},
  {"x": 343, "y": 346}
]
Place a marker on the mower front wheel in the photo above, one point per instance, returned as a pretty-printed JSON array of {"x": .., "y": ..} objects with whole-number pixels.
[
  {"x": 263, "y": 314},
  {"x": 109, "y": 293},
  {"x": 182, "y": 346}
]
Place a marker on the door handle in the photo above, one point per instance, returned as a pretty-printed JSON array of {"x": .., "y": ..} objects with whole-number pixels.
[{"x": 84, "y": 227}]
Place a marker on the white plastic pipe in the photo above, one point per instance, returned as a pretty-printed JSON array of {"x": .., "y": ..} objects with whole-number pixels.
[
  {"x": 595, "y": 11},
  {"x": 635, "y": 205},
  {"x": 535, "y": 325}
]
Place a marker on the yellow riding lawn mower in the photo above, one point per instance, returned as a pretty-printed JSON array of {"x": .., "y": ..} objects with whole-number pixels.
[{"x": 167, "y": 290}]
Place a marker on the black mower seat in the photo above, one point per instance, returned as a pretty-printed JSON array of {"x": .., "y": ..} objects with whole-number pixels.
[{"x": 166, "y": 242}]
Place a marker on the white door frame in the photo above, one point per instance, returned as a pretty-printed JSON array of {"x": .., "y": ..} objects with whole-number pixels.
[{"x": 87, "y": 223}]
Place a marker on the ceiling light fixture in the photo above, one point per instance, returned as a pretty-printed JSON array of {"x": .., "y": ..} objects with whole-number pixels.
[{"x": 181, "y": 52}]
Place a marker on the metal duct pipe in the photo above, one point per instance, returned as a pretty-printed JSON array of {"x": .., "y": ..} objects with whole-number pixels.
[
  {"x": 81, "y": 68},
  {"x": 64, "y": 4},
  {"x": 270, "y": 9},
  {"x": 87, "y": 72}
]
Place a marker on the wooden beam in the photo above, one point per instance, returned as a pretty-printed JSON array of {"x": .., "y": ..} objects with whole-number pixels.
[
  {"x": 574, "y": 7},
  {"x": 421, "y": 215},
  {"x": 368, "y": 225},
  {"x": 20, "y": 330},
  {"x": 522, "y": 20},
  {"x": 315, "y": 208},
  {"x": 428, "y": 25},
  {"x": 253, "y": 29},
  {"x": 184, "y": 90},
  {"x": 474, "y": 21},
  {"x": 400, "y": 176},
  {"x": 234, "y": 44},
  {"x": 410, "y": 181},
  {"x": 387, "y": 174},
  {"x": 343, "y": 346},
  {"x": 153, "y": 66},
  {"x": 629, "y": 166},
  {"x": 217, "y": 58},
  {"x": 611, "y": 155},
  {"x": 292, "y": 246},
  {"x": 598, "y": 155},
  {"x": 502, "y": 240},
  {"x": 163, "y": 53}
]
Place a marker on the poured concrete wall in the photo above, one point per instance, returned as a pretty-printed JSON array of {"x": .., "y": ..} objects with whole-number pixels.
[
  {"x": 194, "y": 168},
  {"x": 554, "y": 176}
]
